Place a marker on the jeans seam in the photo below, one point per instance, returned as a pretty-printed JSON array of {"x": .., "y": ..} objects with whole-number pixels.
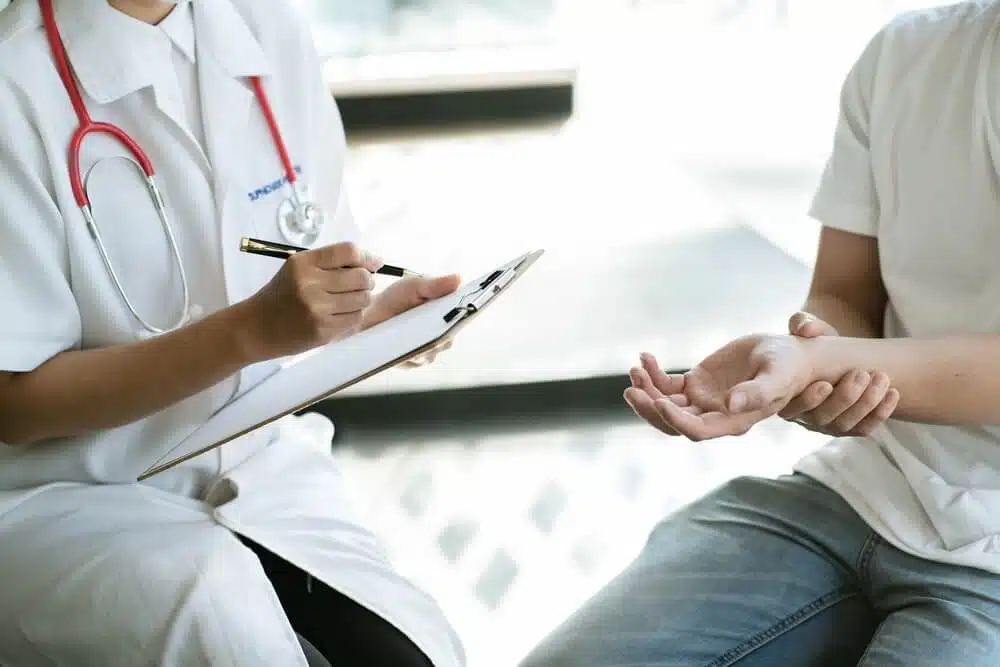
[
  {"x": 866, "y": 556},
  {"x": 755, "y": 642}
]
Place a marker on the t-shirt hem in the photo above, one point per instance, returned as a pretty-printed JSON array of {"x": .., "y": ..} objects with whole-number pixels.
[
  {"x": 814, "y": 467},
  {"x": 845, "y": 216}
]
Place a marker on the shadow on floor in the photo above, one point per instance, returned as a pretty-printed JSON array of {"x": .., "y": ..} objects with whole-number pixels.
[{"x": 417, "y": 416}]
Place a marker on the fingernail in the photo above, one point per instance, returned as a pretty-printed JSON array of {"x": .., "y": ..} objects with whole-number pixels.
[
  {"x": 737, "y": 402},
  {"x": 862, "y": 378}
]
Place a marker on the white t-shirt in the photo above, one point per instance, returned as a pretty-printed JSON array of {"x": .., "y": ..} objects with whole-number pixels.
[{"x": 916, "y": 163}]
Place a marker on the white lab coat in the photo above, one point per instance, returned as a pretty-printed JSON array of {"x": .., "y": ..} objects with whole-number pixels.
[{"x": 97, "y": 569}]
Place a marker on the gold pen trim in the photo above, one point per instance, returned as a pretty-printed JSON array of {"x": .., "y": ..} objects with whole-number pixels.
[{"x": 250, "y": 244}]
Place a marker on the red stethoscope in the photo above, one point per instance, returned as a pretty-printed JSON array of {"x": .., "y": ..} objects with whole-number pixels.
[{"x": 299, "y": 221}]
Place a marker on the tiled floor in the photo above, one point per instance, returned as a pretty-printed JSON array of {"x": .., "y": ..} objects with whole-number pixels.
[{"x": 511, "y": 531}]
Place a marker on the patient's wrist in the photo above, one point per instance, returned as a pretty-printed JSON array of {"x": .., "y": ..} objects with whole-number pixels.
[{"x": 828, "y": 357}]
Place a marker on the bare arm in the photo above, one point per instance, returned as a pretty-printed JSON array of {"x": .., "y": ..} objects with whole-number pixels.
[
  {"x": 952, "y": 380},
  {"x": 98, "y": 389},
  {"x": 311, "y": 301},
  {"x": 847, "y": 290}
]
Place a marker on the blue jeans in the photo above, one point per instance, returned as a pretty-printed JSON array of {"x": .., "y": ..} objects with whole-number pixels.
[{"x": 764, "y": 573}]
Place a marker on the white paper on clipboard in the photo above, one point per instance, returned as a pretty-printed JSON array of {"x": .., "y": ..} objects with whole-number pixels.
[{"x": 318, "y": 374}]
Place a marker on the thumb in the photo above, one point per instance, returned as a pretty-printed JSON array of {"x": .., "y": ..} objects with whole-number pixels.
[
  {"x": 808, "y": 325},
  {"x": 757, "y": 394},
  {"x": 435, "y": 288}
]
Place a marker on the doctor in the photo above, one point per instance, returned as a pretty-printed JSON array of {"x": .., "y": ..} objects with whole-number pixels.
[{"x": 129, "y": 316}]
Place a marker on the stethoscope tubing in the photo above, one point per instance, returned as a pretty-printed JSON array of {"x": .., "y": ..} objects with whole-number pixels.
[{"x": 86, "y": 126}]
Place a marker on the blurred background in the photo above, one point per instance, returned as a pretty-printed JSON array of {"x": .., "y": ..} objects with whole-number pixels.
[{"x": 664, "y": 153}]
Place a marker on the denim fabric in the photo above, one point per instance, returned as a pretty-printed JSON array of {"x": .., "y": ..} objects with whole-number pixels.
[{"x": 766, "y": 573}]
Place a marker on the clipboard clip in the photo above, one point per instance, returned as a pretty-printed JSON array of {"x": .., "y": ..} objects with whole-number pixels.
[{"x": 477, "y": 299}]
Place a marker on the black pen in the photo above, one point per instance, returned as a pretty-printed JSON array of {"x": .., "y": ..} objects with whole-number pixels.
[{"x": 282, "y": 251}]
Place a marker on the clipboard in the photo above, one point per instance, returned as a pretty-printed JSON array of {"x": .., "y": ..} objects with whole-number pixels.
[{"x": 301, "y": 383}]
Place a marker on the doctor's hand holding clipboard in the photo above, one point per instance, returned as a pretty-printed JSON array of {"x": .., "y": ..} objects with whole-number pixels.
[{"x": 323, "y": 295}]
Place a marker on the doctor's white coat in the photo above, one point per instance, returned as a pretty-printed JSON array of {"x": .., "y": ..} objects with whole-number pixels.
[{"x": 96, "y": 569}]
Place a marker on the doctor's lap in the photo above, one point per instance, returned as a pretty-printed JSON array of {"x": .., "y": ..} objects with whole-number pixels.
[{"x": 131, "y": 317}]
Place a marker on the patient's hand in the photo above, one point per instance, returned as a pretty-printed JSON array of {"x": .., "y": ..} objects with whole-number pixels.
[
  {"x": 859, "y": 402},
  {"x": 742, "y": 383}
]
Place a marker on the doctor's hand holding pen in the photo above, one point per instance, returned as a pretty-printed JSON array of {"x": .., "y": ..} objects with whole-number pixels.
[
  {"x": 326, "y": 294},
  {"x": 316, "y": 297}
]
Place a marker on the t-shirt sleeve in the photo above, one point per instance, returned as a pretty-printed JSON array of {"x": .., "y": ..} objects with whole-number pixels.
[
  {"x": 847, "y": 198},
  {"x": 40, "y": 317}
]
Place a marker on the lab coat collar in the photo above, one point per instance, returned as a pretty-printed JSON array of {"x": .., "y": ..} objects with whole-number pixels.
[
  {"x": 114, "y": 55},
  {"x": 224, "y": 35},
  {"x": 179, "y": 27}
]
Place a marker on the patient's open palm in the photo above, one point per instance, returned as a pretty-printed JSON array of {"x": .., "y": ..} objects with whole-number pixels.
[{"x": 738, "y": 385}]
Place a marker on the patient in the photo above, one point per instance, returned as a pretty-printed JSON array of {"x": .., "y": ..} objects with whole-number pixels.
[{"x": 882, "y": 548}]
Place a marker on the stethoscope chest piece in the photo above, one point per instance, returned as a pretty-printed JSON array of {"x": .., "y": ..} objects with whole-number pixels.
[{"x": 299, "y": 220}]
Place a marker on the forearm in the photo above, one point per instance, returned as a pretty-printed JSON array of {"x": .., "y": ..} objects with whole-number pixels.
[
  {"x": 83, "y": 391},
  {"x": 952, "y": 380},
  {"x": 845, "y": 318}
]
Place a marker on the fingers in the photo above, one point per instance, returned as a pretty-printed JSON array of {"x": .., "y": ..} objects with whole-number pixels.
[
  {"x": 643, "y": 406},
  {"x": 698, "y": 426},
  {"x": 808, "y": 400},
  {"x": 860, "y": 403},
  {"x": 343, "y": 304},
  {"x": 879, "y": 416},
  {"x": 664, "y": 383},
  {"x": 343, "y": 255},
  {"x": 435, "y": 288},
  {"x": 766, "y": 393},
  {"x": 871, "y": 397},
  {"x": 340, "y": 325},
  {"x": 846, "y": 393},
  {"x": 429, "y": 356},
  {"x": 342, "y": 281},
  {"x": 809, "y": 326},
  {"x": 641, "y": 380}
]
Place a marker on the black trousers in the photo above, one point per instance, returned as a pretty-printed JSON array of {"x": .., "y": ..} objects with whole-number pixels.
[{"x": 347, "y": 634}]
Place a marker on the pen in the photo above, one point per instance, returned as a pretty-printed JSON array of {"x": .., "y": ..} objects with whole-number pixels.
[{"x": 282, "y": 251}]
